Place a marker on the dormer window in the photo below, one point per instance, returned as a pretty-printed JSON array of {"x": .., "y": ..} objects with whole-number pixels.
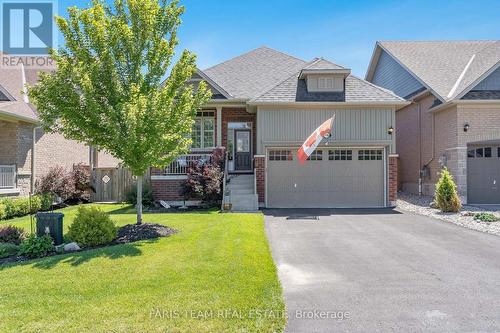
[{"x": 324, "y": 76}]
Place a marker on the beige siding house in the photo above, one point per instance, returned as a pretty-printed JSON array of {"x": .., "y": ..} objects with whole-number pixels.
[
  {"x": 453, "y": 120},
  {"x": 265, "y": 104},
  {"x": 26, "y": 152}
]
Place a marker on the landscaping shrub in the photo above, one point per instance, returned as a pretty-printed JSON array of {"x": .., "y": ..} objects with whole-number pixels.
[
  {"x": 80, "y": 176},
  {"x": 486, "y": 217},
  {"x": 446, "y": 196},
  {"x": 204, "y": 180},
  {"x": 35, "y": 247},
  {"x": 14, "y": 207},
  {"x": 92, "y": 227},
  {"x": 57, "y": 181},
  {"x": 46, "y": 200},
  {"x": 147, "y": 195},
  {"x": 3, "y": 211},
  {"x": 8, "y": 249},
  {"x": 11, "y": 234}
]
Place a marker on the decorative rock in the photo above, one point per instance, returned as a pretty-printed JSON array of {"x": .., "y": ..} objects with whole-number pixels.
[
  {"x": 433, "y": 205},
  {"x": 421, "y": 205},
  {"x": 71, "y": 247},
  {"x": 60, "y": 248}
]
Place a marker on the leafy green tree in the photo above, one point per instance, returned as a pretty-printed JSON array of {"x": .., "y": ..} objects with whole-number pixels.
[
  {"x": 107, "y": 90},
  {"x": 446, "y": 197}
]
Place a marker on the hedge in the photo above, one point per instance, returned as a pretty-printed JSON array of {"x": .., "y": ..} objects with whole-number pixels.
[{"x": 15, "y": 207}]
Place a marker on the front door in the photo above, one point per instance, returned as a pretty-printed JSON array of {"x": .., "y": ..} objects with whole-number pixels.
[{"x": 242, "y": 150}]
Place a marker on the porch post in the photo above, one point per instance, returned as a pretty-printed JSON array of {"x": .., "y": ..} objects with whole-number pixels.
[{"x": 219, "y": 126}]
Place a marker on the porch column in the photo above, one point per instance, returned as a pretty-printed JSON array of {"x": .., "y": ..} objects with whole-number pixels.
[{"x": 219, "y": 126}]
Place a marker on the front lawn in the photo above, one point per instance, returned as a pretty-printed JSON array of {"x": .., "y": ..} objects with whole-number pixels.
[{"x": 215, "y": 275}]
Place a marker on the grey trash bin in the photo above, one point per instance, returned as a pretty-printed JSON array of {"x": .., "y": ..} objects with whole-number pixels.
[{"x": 51, "y": 223}]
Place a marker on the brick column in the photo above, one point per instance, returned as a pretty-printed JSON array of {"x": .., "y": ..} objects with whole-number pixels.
[
  {"x": 260, "y": 171},
  {"x": 393, "y": 179}
]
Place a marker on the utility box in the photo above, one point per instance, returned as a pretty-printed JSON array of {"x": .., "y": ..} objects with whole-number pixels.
[{"x": 51, "y": 224}]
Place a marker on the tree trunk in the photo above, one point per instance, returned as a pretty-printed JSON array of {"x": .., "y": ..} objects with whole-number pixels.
[{"x": 139, "y": 199}]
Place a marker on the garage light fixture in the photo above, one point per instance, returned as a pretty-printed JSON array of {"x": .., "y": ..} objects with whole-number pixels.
[
  {"x": 466, "y": 127},
  {"x": 390, "y": 130}
]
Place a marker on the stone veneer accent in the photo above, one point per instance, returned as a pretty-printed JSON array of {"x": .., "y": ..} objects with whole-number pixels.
[
  {"x": 260, "y": 171},
  {"x": 393, "y": 179}
]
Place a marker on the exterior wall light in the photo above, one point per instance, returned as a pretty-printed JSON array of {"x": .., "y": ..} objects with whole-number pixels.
[
  {"x": 466, "y": 127},
  {"x": 390, "y": 130}
]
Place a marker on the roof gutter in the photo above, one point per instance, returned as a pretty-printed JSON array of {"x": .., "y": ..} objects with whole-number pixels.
[{"x": 14, "y": 116}]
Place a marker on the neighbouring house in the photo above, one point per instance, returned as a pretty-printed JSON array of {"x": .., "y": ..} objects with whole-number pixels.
[
  {"x": 264, "y": 105},
  {"x": 453, "y": 120},
  {"x": 26, "y": 151}
]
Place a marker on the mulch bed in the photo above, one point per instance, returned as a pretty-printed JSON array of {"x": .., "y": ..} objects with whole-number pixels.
[{"x": 135, "y": 232}]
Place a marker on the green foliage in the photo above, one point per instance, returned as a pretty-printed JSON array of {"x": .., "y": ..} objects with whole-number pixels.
[
  {"x": 147, "y": 195},
  {"x": 35, "y": 247},
  {"x": 107, "y": 90},
  {"x": 11, "y": 234},
  {"x": 446, "y": 197},
  {"x": 14, "y": 207},
  {"x": 486, "y": 217},
  {"x": 46, "y": 201},
  {"x": 92, "y": 227},
  {"x": 8, "y": 250}
]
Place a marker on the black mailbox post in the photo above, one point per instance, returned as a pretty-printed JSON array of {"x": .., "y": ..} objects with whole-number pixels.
[{"x": 52, "y": 224}]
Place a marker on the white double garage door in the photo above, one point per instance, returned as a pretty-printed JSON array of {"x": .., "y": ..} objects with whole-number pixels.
[{"x": 331, "y": 178}]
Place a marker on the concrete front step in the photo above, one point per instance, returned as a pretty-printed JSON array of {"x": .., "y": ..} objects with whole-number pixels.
[
  {"x": 244, "y": 202},
  {"x": 237, "y": 191}
]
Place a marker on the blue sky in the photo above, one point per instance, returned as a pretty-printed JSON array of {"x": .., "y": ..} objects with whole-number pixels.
[{"x": 341, "y": 31}]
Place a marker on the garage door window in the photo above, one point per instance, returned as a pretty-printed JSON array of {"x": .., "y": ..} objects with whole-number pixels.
[
  {"x": 316, "y": 155},
  {"x": 370, "y": 155},
  {"x": 479, "y": 152},
  {"x": 340, "y": 155},
  {"x": 280, "y": 155}
]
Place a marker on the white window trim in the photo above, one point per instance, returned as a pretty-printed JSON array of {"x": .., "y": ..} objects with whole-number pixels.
[{"x": 202, "y": 134}]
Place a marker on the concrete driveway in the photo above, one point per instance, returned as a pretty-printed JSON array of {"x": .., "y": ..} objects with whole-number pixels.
[{"x": 384, "y": 271}]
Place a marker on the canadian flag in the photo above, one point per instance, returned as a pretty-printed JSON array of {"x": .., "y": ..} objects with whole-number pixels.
[{"x": 323, "y": 131}]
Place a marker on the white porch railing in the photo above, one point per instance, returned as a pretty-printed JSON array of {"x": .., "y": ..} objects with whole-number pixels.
[
  {"x": 7, "y": 176},
  {"x": 181, "y": 165}
]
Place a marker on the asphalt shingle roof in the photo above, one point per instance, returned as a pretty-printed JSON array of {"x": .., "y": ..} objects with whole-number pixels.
[
  {"x": 251, "y": 74},
  {"x": 447, "y": 67},
  {"x": 356, "y": 90}
]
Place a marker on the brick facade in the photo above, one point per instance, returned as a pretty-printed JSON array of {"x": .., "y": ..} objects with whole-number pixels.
[
  {"x": 51, "y": 149},
  {"x": 171, "y": 189},
  {"x": 393, "y": 179},
  {"x": 167, "y": 189},
  {"x": 260, "y": 171},
  {"x": 238, "y": 115}
]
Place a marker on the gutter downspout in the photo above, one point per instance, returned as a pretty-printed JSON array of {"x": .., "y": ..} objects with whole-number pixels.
[
  {"x": 419, "y": 149},
  {"x": 33, "y": 158}
]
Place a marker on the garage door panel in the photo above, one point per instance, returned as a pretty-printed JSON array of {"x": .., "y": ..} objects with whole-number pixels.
[
  {"x": 483, "y": 175},
  {"x": 326, "y": 183}
]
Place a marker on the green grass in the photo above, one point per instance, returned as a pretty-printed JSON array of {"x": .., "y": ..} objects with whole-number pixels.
[{"x": 217, "y": 262}]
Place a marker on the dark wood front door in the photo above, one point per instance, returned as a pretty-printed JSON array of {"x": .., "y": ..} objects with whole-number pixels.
[{"x": 242, "y": 150}]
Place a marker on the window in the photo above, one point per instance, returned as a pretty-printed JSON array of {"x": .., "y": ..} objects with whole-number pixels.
[
  {"x": 479, "y": 152},
  {"x": 203, "y": 130},
  {"x": 340, "y": 155},
  {"x": 370, "y": 155},
  {"x": 280, "y": 155},
  {"x": 316, "y": 155},
  {"x": 498, "y": 152}
]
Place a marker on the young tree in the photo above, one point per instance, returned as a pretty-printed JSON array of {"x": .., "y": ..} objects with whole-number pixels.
[
  {"x": 446, "y": 197},
  {"x": 107, "y": 90}
]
